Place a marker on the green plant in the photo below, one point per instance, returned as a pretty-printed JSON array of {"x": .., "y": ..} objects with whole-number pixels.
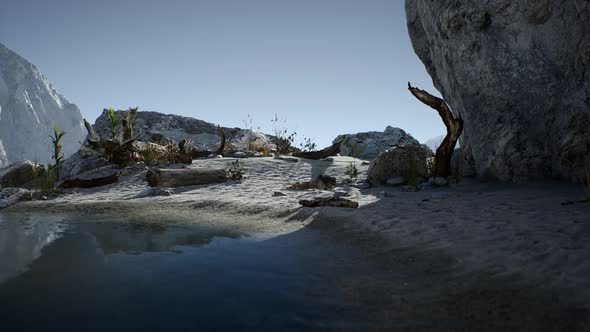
[
  {"x": 57, "y": 146},
  {"x": 148, "y": 154},
  {"x": 114, "y": 121},
  {"x": 234, "y": 169},
  {"x": 308, "y": 145},
  {"x": 129, "y": 123},
  {"x": 283, "y": 139},
  {"x": 352, "y": 171},
  {"x": 44, "y": 178}
]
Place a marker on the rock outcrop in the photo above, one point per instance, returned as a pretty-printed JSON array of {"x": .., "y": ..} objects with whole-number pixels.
[
  {"x": 17, "y": 175},
  {"x": 29, "y": 106},
  {"x": 160, "y": 127},
  {"x": 369, "y": 145},
  {"x": 407, "y": 162},
  {"x": 518, "y": 73}
]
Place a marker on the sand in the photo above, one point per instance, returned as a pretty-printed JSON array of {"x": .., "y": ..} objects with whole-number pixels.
[{"x": 536, "y": 233}]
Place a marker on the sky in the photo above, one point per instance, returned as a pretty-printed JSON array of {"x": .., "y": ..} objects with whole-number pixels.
[{"x": 327, "y": 67}]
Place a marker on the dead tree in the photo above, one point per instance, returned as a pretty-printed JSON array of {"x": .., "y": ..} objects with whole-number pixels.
[
  {"x": 118, "y": 152},
  {"x": 332, "y": 150},
  {"x": 442, "y": 158}
]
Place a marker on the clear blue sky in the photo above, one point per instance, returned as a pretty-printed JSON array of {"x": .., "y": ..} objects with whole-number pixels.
[{"x": 328, "y": 66}]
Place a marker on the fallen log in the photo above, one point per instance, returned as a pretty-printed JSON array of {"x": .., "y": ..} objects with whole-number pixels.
[
  {"x": 332, "y": 150},
  {"x": 168, "y": 178},
  {"x": 329, "y": 201},
  {"x": 442, "y": 158},
  {"x": 91, "y": 179}
]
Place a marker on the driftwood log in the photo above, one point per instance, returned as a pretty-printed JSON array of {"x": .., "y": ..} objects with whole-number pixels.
[
  {"x": 332, "y": 150},
  {"x": 442, "y": 158},
  {"x": 206, "y": 153},
  {"x": 118, "y": 152},
  {"x": 91, "y": 179},
  {"x": 168, "y": 178},
  {"x": 329, "y": 201}
]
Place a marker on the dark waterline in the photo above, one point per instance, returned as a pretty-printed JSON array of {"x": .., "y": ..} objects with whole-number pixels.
[{"x": 105, "y": 275}]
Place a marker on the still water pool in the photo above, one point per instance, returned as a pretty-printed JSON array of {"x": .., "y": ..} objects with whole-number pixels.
[{"x": 74, "y": 274}]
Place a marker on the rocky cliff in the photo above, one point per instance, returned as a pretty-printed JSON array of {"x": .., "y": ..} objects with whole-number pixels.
[
  {"x": 29, "y": 106},
  {"x": 518, "y": 73}
]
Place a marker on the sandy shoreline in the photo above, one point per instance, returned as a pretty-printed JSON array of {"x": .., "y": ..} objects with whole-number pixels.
[{"x": 500, "y": 230}]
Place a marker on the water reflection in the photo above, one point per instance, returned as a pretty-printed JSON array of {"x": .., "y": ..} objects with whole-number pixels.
[{"x": 22, "y": 237}]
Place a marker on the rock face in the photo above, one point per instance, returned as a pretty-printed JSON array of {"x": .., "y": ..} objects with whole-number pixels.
[
  {"x": 369, "y": 145},
  {"x": 408, "y": 162},
  {"x": 157, "y": 126},
  {"x": 518, "y": 73},
  {"x": 29, "y": 106}
]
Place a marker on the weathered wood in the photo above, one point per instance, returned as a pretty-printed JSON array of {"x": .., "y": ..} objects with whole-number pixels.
[
  {"x": 206, "y": 153},
  {"x": 91, "y": 179},
  {"x": 330, "y": 201},
  {"x": 332, "y": 150},
  {"x": 168, "y": 178},
  {"x": 442, "y": 164}
]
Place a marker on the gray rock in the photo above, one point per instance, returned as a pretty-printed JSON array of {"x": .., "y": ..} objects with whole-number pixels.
[
  {"x": 155, "y": 191},
  {"x": 17, "y": 174},
  {"x": 369, "y": 145},
  {"x": 11, "y": 196},
  {"x": 29, "y": 107},
  {"x": 402, "y": 161},
  {"x": 518, "y": 73},
  {"x": 395, "y": 181},
  {"x": 278, "y": 194},
  {"x": 438, "y": 181}
]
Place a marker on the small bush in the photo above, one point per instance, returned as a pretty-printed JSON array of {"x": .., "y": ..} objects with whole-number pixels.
[
  {"x": 250, "y": 136},
  {"x": 352, "y": 171},
  {"x": 234, "y": 169},
  {"x": 308, "y": 145},
  {"x": 170, "y": 151},
  {"x": 44, "y": 178},
  {"x": 57, "y": 146},
  {"x": 148, "y": 154},
  {"x": 283, "y": 137}
]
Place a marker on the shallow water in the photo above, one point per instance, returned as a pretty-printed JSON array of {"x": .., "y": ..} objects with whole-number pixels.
[
  {"x": 74, "y": 274},
  {"x": 70, "y": 273}
]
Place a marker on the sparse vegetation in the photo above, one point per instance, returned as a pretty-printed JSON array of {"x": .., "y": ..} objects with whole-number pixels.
[
  {"x": 113, "y": 125},
  {"x": 170, "y": 151},
  {"x": 129, "y": 123},
  {"x": 44, "y": 179},
  {"x": 234, "y": 169},
  {"x": 148, "y": 154},
  {"x": 352, "y": 171},
  {"x": 308, "y": 145},
  {"x": 283, "y": 137},
  {"x": 250, "y": 136},
  {"x": 57, "y": 147}
]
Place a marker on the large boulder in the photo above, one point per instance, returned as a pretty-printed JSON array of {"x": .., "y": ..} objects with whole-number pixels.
[
  {"x": 518, "y": 73},
  {"x": 402, "y": 161},
  {"x": 368, "y": 145},
  {"x": 11, "y": 196},
  {"x": 17, "y": 174},
  {"x": 29, "y": 107}
]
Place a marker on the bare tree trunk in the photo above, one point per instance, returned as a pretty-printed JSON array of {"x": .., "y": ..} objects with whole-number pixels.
[
  {"x": 442, "y": 159},
  {"x": 332, "y": 150}
]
